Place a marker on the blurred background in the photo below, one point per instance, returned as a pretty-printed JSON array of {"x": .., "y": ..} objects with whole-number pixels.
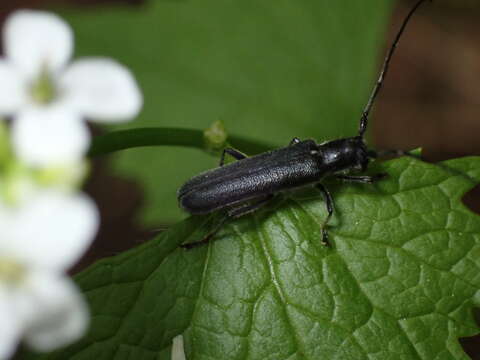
[{"x": 272, "y": 73}]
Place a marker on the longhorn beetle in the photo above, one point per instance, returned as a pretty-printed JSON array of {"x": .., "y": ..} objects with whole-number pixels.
[{"x": 249, "y": 183}]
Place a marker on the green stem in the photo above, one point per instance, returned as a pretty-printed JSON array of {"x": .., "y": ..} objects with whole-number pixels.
[{"x": 126, "y": 139}]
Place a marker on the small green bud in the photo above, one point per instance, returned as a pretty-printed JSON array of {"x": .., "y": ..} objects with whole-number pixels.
[{"x": 215, "y": 137}]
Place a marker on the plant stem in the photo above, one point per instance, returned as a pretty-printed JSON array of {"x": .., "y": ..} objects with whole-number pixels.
[{"x": 132, "y": 138}]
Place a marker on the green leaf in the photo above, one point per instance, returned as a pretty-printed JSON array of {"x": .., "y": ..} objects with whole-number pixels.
[
  {"x": 399, "y": 281},
  {"x": 270, "y": 70}
]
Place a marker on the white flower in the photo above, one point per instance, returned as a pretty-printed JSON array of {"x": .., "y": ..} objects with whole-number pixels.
[
  {"x": 49, "y": 98},
  {"x": 39, "y": 240}
]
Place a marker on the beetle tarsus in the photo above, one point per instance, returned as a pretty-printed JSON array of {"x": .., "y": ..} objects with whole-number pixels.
[
  {"x": 325, "y": 241},
  {"x": 204, "y": 241},
  {"x": 329, "y": 205},
  {"x": 208, "y": 237},
  {"x": 195, "y": 244}
]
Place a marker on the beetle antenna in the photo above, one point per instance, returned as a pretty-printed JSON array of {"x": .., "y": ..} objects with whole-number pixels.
[{"x": 383, "y": 72}]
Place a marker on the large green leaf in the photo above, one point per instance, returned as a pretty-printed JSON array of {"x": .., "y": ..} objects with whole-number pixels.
[
  {"x": 271, "y": 70},
  {"x": 399, "y": 281}
]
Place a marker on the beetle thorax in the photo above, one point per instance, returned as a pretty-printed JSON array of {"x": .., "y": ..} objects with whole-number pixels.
[{"x": 343, "y": 154}]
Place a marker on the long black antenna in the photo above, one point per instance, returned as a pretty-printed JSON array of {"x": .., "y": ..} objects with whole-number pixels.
[{"x": 383, "y": 72}]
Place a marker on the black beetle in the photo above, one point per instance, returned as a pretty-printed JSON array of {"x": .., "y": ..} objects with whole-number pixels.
[{"x": 247, "y": 184}]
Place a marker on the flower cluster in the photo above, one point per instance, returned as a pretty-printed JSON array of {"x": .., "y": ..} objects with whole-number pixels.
[{"x": 46, "y": 223}]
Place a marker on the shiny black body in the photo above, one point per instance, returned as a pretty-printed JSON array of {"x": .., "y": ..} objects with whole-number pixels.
[{"x": 302, "y": 163}]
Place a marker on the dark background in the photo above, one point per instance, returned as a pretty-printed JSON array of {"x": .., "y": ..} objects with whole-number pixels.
[{"x": 430, "y": 100}]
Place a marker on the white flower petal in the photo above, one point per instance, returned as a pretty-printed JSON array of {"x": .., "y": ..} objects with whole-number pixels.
[
  {"x": 12, "y": 89},
  {"x": 49, "y": 137},
  {"x": 10, "y": 324},
  {"x": 58, "y": 314},
  {"x": 178, "y": 350},
  {"x": 101, "y": 89},
  {"x": 34, "y": 39},
  {"x": 52, "y": 230}
]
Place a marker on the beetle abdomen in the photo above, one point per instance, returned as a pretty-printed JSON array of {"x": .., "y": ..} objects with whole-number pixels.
[
  {"x": 212, "y": 196},
  {"x": 251, "y": 178}
]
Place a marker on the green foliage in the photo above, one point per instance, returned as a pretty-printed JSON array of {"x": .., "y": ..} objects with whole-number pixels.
[
  {"x": 399, "y": 281},
  {"x": 270, "y": 70}
]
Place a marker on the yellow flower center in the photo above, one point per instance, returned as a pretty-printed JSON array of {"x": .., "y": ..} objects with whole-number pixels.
[
  {"x": 11, "y": 272},
  {"x": 43, "y": 88}
]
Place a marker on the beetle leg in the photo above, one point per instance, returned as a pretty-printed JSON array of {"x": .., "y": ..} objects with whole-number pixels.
[
  {"x": 231, "y": 214},
  {"x": 246, "y": 209},
  {"x": 362, "y": 179},
  {"x": 329, "y": 204},
  {"x": 235, "y": 153},
  {"x": 208, "y": 237},
  {"x": 294, "y": 141}
]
